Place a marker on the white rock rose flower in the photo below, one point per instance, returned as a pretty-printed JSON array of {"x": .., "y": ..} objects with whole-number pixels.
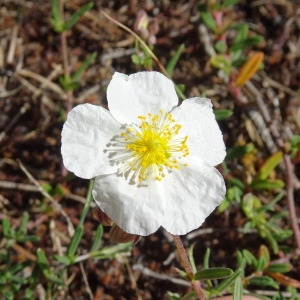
[{"x": 153, "y": 161}]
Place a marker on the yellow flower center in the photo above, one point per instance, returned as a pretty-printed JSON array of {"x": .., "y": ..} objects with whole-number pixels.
[{"x": 153, "y": 146}]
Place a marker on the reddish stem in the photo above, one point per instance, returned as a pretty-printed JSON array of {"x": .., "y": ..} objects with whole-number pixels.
[{"x": 188, "y": 269}]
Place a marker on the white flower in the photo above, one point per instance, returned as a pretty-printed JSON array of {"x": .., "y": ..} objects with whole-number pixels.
[{"x": 153, "y": 161}]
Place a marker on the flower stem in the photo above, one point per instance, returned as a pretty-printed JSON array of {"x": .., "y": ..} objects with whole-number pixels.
[{"x": 188, "y": 268}]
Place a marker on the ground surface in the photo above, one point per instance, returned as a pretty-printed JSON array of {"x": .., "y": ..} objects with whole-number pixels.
[{"x": 32, "y": 114}]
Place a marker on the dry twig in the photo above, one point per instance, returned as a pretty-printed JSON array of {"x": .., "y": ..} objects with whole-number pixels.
[{"x": 45, "y": 194}]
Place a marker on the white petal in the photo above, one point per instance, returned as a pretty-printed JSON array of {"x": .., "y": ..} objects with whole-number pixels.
[
  {"x": 191, "y": 194},
  {"x": 85, "y": 135},
  {"x": 204, "y": 135},
  {"x": 137, "y": 210},
  {"x": 139, "y": 94}
]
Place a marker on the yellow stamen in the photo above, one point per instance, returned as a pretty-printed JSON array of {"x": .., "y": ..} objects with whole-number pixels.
[{"x": 154, "y": 146}]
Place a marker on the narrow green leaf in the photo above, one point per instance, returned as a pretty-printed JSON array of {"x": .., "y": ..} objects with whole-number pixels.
[
  {"x": 281, "y": 215},
  {"x": 238, "y": 151},
  {"x": 206, "y": 259},
  {"x": 229, "y": 281},
  {"x": 55, "y": 11},
  {"x": 75, "y": 17},
  {"x": 213, "y": 273},
  {"x": 173, "y": 61},
  {"x": 223, "y": 114},
  {"x": 209, "y": 21},
  {"x": 249, "y": 204},
  {"x": 279, "y": 268},
  {"x": 264, "y": 281},
  {"x": 18, "y": 279},
  {"x": 147, "y": 62},
  {"x": 236, "y": 60},
  {"x": 56, "y": 20},
  {"x": 224, "y": 205},
  {"x": 82, "y": 68},
  {"x": 247, "y": 43},
  {"x": 242, "y": 31},
  {"x": 268, "y": 184},
  {"x": 236, "y": 182},
  {"x": 35, "y": 274},
  {"x": 43, "y": 262},
  {"x": 29, "y": 294},
  {"x": 190, "y": 296},
  {"x": 62, "y": 259},
  {"x": 97, "y": 238},
  {"x": 72, "y": 248},
  {"x": 270, "y": 205},
  {"x": 76, "y": 238},
  {"x": 272, "y": 241},
  {"x": 60, "y": 190},
  {"x": 258, "y": 296},
  {"x": 8, "y": 295},
  {"x": 111, "y": 252},
  {"x": 22, "y": 229},
  {"x": 3, "y": 279},
  {"x": 6, "y": 227},
  {"x": 54, "y": 279},
  {"x": 273, "y": 228},
  {"x": 284, "y": 234},
  {"x": 250, "y": 258},
  {"x": 262, "y": 262},
  {"x": 191, "y": 258},
  {"x": 136, "y": 59},
  {"x": 270, "y": 164},
  {"x": 183, "y": 274},
  {"x": 28, "y": 238},
  {"x": 67, "y": 83},
  {"x": 87, "y": 204},
  {"x": 240, "y": 260},
  {"x": 221, "y": 47},
  {"x": 173, "y": 296},
  {"x": 295, "y": 145},
  {"x": 228, "y": 3},
  {"x": 180, "y": 88},
  {"x": 264, "y": 252},
  {"x": 19, "y": 267},
  {"x": 221, "y": 62},
  {"x": 238, "y": 289},
  {"x": 206, "y": 265}
]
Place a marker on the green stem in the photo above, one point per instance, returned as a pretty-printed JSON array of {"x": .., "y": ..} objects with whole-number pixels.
[
  {"x": 188, "y": 268},
  {"x": 87, "y": 204}
]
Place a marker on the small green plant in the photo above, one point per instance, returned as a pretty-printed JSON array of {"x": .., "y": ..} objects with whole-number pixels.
[
  {"x": 12, "y": 275},
  {"x": 266, "y": 226},
  {"x": 232, "y": 55},
  {"x": 67, "y": 81}
]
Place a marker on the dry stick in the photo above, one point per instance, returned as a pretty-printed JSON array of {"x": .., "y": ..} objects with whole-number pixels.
[
  {"x": 287, "y": 160},
  {"x": 45, "y": 194},
  {"x": 23, "y": 251},
  {"x": 159, "y": 276},
  {"x": 187, "y": 266},
  {"x": 87, "y": 286},
  {"x": 21, "y": 112},
  {"x": 33, "y": 188},
  {"x": 290, "y": 197},
  {"x": 132, "y": 279},
  {"x": 139, "y": 39}
]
